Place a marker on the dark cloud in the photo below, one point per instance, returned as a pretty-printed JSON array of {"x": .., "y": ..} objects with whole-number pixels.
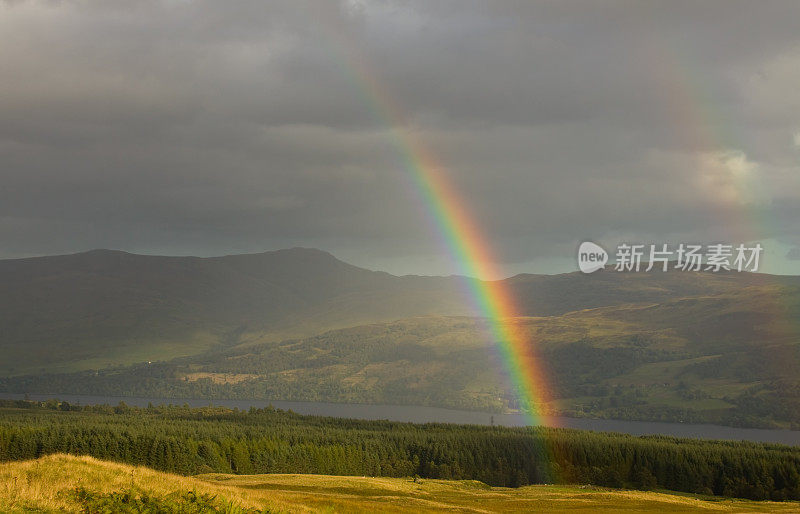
[{"x": 219, "y": 127}]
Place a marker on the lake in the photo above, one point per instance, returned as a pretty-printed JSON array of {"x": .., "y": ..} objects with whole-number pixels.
[{"x": 413, "y": 414}]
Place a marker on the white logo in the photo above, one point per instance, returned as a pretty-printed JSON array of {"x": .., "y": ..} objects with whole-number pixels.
[
  {"x": 685, "y": 257},
  {"x": 591, "y": 257}
]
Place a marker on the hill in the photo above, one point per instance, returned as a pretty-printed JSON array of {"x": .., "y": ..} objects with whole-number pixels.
[
  {"x": 552, "y": 295},
  {"x": 50, "y": 483},
  {"x": 103, "y": 309},
  {"x": 107, "y": 308},
  {"x": 301, "y": 325},
  {"x": 731, "y": 358}
]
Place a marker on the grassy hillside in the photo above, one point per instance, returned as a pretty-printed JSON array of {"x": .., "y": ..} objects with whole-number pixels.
[
  {"x": 551, "y": 295},
  {"x": 301, "y": 325},
  {"x": 103, "y": 309},
  {"x": 49, "y": 483},
  {"x": 106, "y": 308},
  {"x": 731, "y": 358}
]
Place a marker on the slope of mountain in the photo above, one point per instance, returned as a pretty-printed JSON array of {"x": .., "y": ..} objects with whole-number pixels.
[
  {"x": 103, "y": 308},
  {"x": 107, "y": 308},
  {"x": 549, "y": 295},
  {"x": 730, "y": 358}
]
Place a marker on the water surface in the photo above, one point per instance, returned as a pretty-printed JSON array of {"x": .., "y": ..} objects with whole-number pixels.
[{"x": 413, "y": 414}]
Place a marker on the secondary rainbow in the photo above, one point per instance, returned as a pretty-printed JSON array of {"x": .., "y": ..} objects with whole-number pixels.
[
  {"x": 468, "y": 246},
  {"x": 694, "y": 114}
]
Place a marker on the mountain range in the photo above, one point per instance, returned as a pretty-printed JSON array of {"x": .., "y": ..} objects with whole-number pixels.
[{"x": 300, "y": 324}]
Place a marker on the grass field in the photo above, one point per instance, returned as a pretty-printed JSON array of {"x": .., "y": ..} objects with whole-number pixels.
[{"x": 45, "y": 485}]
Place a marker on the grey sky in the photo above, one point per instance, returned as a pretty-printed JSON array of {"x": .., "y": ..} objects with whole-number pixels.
[{"x": 191, "y": 127}]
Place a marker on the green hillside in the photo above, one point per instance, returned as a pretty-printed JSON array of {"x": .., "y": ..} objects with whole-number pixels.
[
  {"x": 301, "y": 325},
  {"x": 550, "y": 295},
  {"x": 729, "y": 358},
  {"x": 103, "y": 309},
  {"x": 106, "y": 308}
]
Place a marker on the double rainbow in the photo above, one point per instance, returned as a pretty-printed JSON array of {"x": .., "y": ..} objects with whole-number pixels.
[{"x": 687, "y": 109}]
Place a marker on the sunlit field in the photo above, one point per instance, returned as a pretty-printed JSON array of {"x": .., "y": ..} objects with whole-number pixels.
[{"x": 49, "y": 483}]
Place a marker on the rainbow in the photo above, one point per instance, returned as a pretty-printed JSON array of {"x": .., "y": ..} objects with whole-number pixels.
[
  {"x": 686, "y": 108},
  {"x": 691, "y": 110},
  {"x": 467, "y": 245}
]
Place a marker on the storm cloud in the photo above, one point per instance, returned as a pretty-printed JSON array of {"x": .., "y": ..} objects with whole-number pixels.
[{"x": 207, "y": 128}]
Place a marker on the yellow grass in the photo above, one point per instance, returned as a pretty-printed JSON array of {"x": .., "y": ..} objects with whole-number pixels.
[{"x": 35, "y": 485}]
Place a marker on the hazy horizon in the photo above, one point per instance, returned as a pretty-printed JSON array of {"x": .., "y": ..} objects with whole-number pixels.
[{"x": 609, "y": 265}]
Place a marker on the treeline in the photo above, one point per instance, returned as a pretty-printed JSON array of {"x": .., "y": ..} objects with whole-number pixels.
[{"x": 212, "y": 439}]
